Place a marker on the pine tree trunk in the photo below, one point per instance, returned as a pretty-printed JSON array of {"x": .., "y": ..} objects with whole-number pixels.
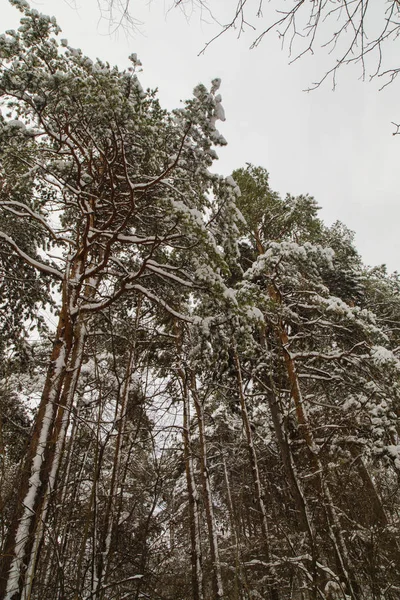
[
  {"x": 333, "y": 522},
  {"x": 205, "y": 477},
  {"x": 109, "y": 521},
  {"x": 196, "y": 558},
  {"x": 90, "y": 524},
  {"x": 288, "y": 463},
  {"x": 273, "y": 590},
  {"x": 240, "y": 578},
  {"x": 305, "y": 519},
  {"x": 36, "y": 474}
]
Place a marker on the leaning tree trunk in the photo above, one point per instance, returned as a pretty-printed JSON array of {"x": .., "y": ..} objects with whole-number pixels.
[
  {"x": 289, "y": 466},
  {"x": 305, "y": 520},
  {"x": 40, "y": 469},
  {"x": 332, "y": 519}
]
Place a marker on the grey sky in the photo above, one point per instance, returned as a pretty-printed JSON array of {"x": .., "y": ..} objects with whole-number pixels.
[{"x": 337, "y": 146}]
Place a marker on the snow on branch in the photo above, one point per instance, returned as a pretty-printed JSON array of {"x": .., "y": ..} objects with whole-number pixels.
[
  {"x": 157, "y": 300},
  {"x": 13, "y": 205},
  {"x": 31, "y": 261},
  {"x": 165, "y": 173},
  {"x": 322, "y": 356}
]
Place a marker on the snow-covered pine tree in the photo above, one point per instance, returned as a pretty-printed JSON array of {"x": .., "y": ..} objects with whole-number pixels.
[
  {"x": 121, "y": 196},
  {"x": 323, "y": 352}
]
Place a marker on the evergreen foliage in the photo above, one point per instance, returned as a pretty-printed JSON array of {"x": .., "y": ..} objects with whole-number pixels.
[{"x": 216, "y": 414}]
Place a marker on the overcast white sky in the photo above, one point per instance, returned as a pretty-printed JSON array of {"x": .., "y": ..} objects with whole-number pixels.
[{"x": 336, "y": 146}]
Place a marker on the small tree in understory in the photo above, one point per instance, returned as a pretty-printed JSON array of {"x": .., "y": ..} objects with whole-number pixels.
[{"x": 120, "y": 194}]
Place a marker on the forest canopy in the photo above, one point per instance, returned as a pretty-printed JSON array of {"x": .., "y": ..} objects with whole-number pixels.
[{"x": 215, "y": 413}]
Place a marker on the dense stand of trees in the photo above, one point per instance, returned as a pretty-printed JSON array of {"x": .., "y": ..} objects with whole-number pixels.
[{"x": 215, "y": 414}]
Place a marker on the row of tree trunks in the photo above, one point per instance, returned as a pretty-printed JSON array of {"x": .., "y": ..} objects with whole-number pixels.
[
  {"x": 63, "y": 421},
  {"x": 39, "y": 474}
]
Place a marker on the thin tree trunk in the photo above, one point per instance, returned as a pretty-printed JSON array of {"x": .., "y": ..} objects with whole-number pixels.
[
  {"x": 105, "y": 543},
  {"x": 205, "y": 477},
  {"x": 67, "y": 536},
  {"x": 273, "y": 590},
  {"x": 91, "y": 517},
  {"x": 196, "y": 558},
  {"x": 240, "y": 578}
]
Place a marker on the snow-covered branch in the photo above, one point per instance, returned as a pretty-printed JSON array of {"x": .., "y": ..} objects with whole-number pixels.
[{"x": 31, "y": 261}]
